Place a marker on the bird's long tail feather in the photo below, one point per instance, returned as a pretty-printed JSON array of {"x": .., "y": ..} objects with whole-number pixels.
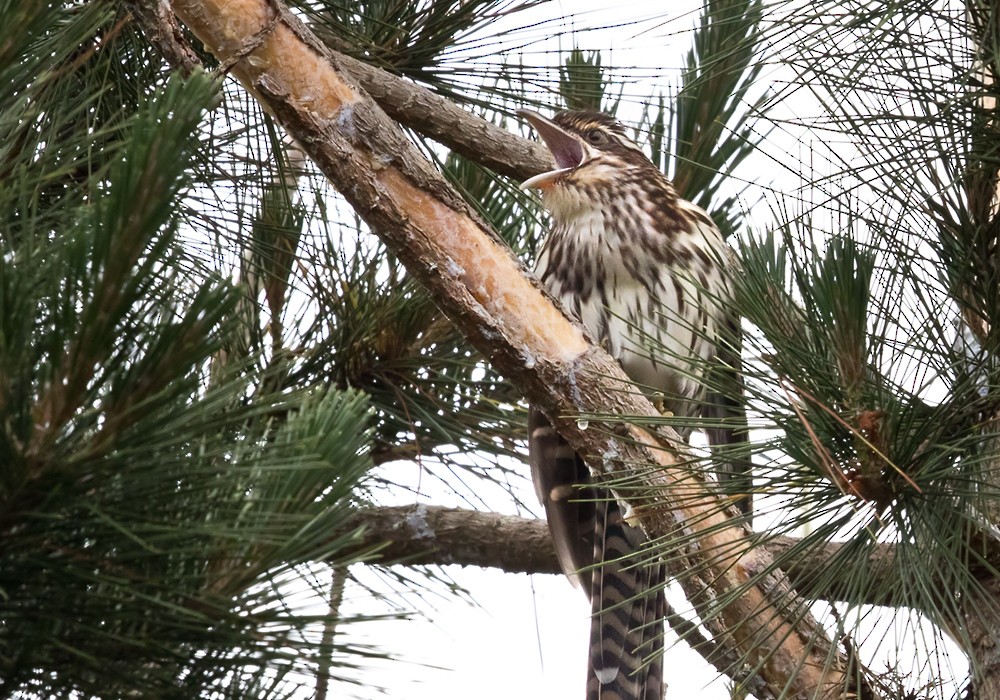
[{"x": 626, "y": 634}]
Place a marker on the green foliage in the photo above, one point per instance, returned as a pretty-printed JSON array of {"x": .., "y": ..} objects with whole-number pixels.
[
  {"x": 582, "y": 83},
  {"x": 873, "y": 311},
  {"x": 153, "y": 523},
  {"x": 382, "y": 333},
  {"x": 180, "y": 453},
  {"x": 713, "y": 123},
  {"x": 340, "y": 310},
  {"x": 410, "y": 38},
  {"x": 276, "y": 232},
  {"x": 867, "y": 458}
]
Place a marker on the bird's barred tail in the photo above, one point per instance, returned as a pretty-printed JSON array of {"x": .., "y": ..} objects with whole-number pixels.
[
  {"x": 627, "y": 603},
  {"x": 626, "y": 632}
]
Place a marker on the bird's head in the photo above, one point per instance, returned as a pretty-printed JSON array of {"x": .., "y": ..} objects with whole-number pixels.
[{"x": 592, "y": 154}]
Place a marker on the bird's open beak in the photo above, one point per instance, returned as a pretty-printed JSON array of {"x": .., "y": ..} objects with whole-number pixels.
[{"x": 565, "y": 148}]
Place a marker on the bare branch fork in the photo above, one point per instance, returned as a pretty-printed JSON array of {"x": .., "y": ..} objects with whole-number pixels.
[{"x": 483, "y": 289}]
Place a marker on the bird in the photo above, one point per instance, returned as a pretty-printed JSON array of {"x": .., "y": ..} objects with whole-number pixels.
[{"x": 645, "y": 272}]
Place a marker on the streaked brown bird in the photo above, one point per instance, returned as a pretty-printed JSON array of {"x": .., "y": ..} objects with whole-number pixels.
[{"x": 645, "y": 272}]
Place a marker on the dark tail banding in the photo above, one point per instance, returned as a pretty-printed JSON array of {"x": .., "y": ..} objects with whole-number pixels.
[
  {"x": 626, "y": 632},
  {"x": 626, "y": 637}
]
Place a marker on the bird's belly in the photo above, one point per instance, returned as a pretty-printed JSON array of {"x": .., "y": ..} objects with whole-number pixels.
[{"x": 657, "y": 345}]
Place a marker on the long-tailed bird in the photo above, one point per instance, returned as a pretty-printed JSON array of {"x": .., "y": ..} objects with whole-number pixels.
[{"x": 644, "y": 271}]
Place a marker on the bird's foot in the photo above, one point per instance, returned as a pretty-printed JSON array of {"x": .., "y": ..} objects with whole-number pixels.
[{"x": 660, "y": 404}]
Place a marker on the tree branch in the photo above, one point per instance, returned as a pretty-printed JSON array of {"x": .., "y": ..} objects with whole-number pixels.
[
  {"x": 160, "y": 28},
  {"x": 744, "y": 601},
  {"x": 436, "y": 535},
  {"x": 429, "y": 114}
]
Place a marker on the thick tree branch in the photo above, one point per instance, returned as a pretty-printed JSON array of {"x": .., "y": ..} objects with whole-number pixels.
[
  {"x": 160, "y": 28},
  {"x": 434, "y": 116},
  {"x": 435, "y": 535},
  {"x": 485, "y": 292}
]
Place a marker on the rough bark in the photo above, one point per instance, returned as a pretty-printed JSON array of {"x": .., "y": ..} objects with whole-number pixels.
[
  {"x": 159, "y": 26},
  {"x": 744, "y": 600},
  {"x": 410, "y": 104},
  {"x": 434, "y": 535},
  {"x": 434, "y": 116}
]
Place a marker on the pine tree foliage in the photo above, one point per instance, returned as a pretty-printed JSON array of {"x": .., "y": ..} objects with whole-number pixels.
[
  {"x": 712, "y": 115},
  {"x": 179, "y": 447},
  {"x": 152, "y": 520},
  {"x": 872, "y": 311}
]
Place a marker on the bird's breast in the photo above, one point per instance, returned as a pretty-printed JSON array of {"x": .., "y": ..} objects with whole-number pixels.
[{"x": 650, "y": 298}]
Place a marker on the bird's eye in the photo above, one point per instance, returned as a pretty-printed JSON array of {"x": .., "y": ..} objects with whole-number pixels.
[{"x": 595, "y": 136}]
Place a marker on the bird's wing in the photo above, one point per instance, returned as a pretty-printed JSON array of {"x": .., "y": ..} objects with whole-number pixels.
[
  {"x": 725, "y": 411},
  {"x": 557, "y": 471}
]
